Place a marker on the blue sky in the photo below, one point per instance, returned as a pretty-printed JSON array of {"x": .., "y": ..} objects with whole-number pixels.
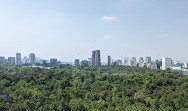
[{"x": 69, "y": 29}]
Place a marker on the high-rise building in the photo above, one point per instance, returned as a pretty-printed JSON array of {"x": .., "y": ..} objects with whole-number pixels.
[
  {"x": 93, "y": 58},
  {"x": 166, "y": 63},
  {"x": 11, "y": 60},
  {"x": 134, "y": 61},
  {"x": 53, "y": 61},
  {"x": 18, "y": 58},
  {"x": 96, "y": 58},
  {"x": 2, "y": 60},
  {"x": 148, "y": 59},
  {"x": 109, "y": 60},
  {"x": 76, "y": 62},
  {"x": 32, "y": 58}
]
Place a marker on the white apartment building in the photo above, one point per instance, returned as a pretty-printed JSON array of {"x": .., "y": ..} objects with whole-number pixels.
[{"x": 166, "y": 63}]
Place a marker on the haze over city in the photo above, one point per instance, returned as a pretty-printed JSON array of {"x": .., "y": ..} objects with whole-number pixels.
[{"x": 68, "y": 29}]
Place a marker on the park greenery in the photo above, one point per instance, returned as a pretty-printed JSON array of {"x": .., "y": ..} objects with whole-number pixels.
[{"x": 105, "y": 88}]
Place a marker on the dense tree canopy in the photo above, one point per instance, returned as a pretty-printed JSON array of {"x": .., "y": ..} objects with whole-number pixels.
[{"x": 67, "y": 88}]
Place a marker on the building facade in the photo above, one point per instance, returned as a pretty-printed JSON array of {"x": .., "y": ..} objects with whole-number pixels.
[
  {"x": 141, "y": 59},
  {"x": 2, "y": 60},
  {"x": 186, "y": 65},
  {"x": 126, "y": 60},
  {"x": 53, "y": 61},
  {"x": 119, "y": 62},
  {"x": 32, "y": 58},
  {"x": 148, "y": 59},
  {"x": 158, "y": 63},
  {"x": 11, "y": 60},
  {"x": 109, "y": 60},
  {"x": 133, "y": 62},
  {"x": 25, "y": 60},
  {"x": 76, "y": 62},
  {"x": 130, "y": 62},
  {"x": 166, "y": 63},
  {"x": 18, "y": 58},
  {"x": 93, "y": 58},
  {"x": 96, "y": 58},
  {"x": 84, "y": 63}
]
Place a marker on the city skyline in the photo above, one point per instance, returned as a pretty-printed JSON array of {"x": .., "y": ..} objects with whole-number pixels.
[
  {"x": 72, "y": 29},
  {"x": 94, "y": 62}
]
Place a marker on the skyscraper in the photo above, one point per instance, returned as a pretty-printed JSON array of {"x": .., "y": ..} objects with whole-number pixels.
[
  {"x": 76, "y": 62},
  {"x": 109, "y": 60},
  {"x": 32, "y": 58},
  {"x": 148, "y": 59},
  {"x": 96, "y": 58},
  {"x": 93, "y": 58},
  {"x": 18, "y": 58},
  {"x": 166, "y": 63}
]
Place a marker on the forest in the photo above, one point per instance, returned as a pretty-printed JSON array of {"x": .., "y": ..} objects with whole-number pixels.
[{"x": 105, "y": 88}]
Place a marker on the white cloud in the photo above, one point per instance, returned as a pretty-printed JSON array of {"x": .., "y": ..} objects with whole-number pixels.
[
  {"x": 163, "y": 36},
  {"x": 108, "y": 36},
  {"x": 109, "y": 18}
]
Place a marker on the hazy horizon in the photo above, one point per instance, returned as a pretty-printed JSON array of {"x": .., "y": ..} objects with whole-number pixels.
[{"x": 68, "y": 30}]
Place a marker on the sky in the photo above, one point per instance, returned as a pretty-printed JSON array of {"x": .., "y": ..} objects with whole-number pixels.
[{"x": 70, "y": 29}]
